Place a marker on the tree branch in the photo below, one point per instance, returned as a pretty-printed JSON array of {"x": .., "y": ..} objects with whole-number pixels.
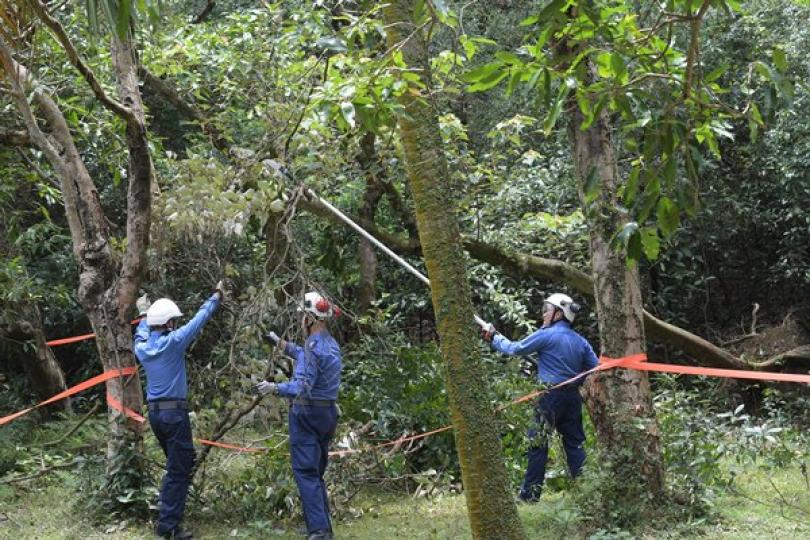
[
  {"x": 14, "y": 138},
  {"x": 189, "y": 110},
  {"x": 73, "y": 55},
  {"x": 694, "y": 45}
]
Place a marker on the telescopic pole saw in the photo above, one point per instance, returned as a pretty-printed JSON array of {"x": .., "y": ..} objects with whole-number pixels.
[{"x": 368, "y": 236}]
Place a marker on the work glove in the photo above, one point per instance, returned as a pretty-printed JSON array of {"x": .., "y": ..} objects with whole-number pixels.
[
  {"x": 265, "y": 387},
  {"x": 220, "y": 288},
  {"x": 143, "y": 304},
  {"x": 488, "y": 332},
  {"x": 272, "y": 337}
]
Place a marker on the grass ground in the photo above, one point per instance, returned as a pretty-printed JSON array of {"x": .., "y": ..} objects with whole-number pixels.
[{"x": 768, "y": 505}]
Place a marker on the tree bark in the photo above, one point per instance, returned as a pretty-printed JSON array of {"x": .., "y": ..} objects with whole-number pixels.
[
  {"x": 366, "y": 254},
  {"x": 490, "y": 505},
  {"x": 620, "y": 401},
  {"x": 41, "y": 368},
  {"x": 106, "y": 292}
]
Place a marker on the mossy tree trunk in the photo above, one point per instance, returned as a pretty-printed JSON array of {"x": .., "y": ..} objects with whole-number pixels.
[{"x": 490, "y": 504}]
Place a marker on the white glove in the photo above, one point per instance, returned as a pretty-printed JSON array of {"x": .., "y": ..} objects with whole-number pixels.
[
  {"x": 220, "y": 288},
  {"x": 143, "y": 304},
  {"x": 264, "y": 387},
  {"x": 488, "y": 332},
  {"x": 272, "y": 336}
]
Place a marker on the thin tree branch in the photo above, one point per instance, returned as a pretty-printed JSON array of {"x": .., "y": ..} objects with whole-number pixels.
[
  {"x": 694, "y": 46},
  {"x": 59, "y": 32},
  {"x": 79, "y": 424}
]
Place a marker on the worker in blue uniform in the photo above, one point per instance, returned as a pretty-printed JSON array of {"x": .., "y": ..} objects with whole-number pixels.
[
  {"x": 560, "y": 354},
  {"x": 160, "y": 347},
  {"x": 313, "y": 391}
]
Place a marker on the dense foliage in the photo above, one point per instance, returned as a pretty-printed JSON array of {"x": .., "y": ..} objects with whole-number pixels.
[{"x": 721, "y": 203}]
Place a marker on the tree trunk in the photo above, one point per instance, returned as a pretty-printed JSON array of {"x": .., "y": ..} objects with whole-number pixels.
[
  {"x": 620, "y": 401},
  {"x": 367, "y": 256},
  {"x": 44, "y": 374},
  {"x": 25, "y": 324},
  {"x": 105, "y": 293},
  {"x": 490, "y": 504}
]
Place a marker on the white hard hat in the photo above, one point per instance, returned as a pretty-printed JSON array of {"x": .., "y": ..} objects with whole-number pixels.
[
  {"x": 320, "y": 307},
  {"x": 566, "y": 304},
  {"x": 161, "y": 312}
]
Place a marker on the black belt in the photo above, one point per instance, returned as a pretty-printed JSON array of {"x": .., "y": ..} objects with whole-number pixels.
[
  {"x": 168, "y": 405},
  {"x": 314, "y": 402}
]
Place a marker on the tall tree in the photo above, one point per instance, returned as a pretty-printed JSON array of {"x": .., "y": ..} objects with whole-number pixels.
[
  {"x": 598, "y": 64},
  {"x": 490, "y": 505},
  {"x": 107, "y": 284}
]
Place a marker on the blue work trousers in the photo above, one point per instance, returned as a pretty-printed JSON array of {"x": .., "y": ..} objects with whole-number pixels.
[
  {"x": 559, "y": 410},
  {"x": 173, "y": 431},
  {"x": 311, "y": 431}
]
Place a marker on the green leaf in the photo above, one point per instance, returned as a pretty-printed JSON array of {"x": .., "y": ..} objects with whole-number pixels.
[
  {"x": 779, "y": 59},
  {"x": 331, "y": 43},
  {"x": 592, "y": 186},
  {"x": 668, "y": 216},
  {"x": 650, "y": 243},
  {"x": 488, "y": 82},
  {"x": 715, "y": 74},
  {"x": 513, "y": 81},
  {"x": 631, "y": 189},
  {"x": 469, "y": 46},
  {"x": 551, "y": 119},
  {"x": 347, "y": 111},
  {"x": 530, "y": 20},
  {"x": 552, "y": 10},
  {"x": 508, "y": 58},
  {"x": 481, "y": 72}
]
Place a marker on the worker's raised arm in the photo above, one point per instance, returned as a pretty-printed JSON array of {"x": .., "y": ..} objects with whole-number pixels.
[{"x": 528, "y": 345}]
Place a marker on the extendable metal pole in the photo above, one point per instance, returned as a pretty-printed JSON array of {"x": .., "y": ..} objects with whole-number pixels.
[{"x": 365, "y": 234}]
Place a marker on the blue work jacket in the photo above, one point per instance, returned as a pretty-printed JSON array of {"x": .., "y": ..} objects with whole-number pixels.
[
  {"x": 162, "y": 354},
  {"x": 559, "y": 352},
  {"x": 317, "y": 368}
]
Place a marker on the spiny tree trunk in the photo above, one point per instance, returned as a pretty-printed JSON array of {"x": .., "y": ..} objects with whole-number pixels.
[
  {"x": 620, "y": 401},
  {"x": 490, "y": 505},
  {"x": 106, "y": 292}
]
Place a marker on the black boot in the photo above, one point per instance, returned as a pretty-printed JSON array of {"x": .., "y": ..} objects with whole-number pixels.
[{"x": 179, "y": 533}]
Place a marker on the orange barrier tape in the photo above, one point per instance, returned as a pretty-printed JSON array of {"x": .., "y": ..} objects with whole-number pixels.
[
  {"x": 605, "y": 364},
  {"x": 717, "y": 372},
  {"x": 89, "y": 383},
  {"x": 75, "y": 339},
  {"x": 65, "y": 341},
  {"x": 118, "y": 406}
]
